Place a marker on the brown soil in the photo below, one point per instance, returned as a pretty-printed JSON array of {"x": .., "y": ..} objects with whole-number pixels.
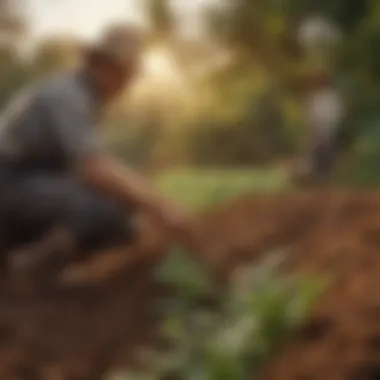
[
  {"x": 82, "y": 332},
  {"x": 334, "y": 234}
]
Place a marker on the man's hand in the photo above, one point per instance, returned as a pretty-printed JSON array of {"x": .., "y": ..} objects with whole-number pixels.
[
  {"x": 182, "y": 227},
  {"x": 177, "y": 218},
  {"x": 174, "y": 217},
  {"x": 110, "y": 176}
]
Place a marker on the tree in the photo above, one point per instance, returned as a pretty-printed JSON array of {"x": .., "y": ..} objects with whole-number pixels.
[
  {"x": 55, "y": 53},
  {"x": 160, "y": 18},
  {"x": 14, "y": 71},
  {"x": 13, "y": 24}
]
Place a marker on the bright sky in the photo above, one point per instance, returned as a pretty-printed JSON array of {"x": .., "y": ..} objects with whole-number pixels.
[
  {"x": 83, "y": 17},
  {"x": 88, "y": 17}
]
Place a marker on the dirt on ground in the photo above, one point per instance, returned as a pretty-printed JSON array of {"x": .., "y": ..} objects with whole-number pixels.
[
  {"x": 332, "y": 234},
  {"x": 82, "y": 332}
]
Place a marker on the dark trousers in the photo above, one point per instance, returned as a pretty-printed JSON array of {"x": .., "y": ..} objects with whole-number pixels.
[
  {"x": 35, "y": 200},
  {"x": 323, "y": 158}
]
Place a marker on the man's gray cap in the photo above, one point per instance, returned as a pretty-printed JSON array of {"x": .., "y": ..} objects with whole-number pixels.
[{"x": 120, "y": 43}]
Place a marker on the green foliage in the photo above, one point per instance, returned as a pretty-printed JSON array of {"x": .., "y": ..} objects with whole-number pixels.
[
  {"x": 230, "y": 336},
  {"x": 347, "y": 13},
  {"x": 189, "y": 279},
  {"x": 365, "y": 156},
  {"x": 55, "y": 54},
  {"x": 257, "y": 136},
  {"x": 13, "y": 74}
]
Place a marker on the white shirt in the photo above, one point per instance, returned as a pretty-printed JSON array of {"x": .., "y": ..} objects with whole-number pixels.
[{"x": 325, "y": 112}]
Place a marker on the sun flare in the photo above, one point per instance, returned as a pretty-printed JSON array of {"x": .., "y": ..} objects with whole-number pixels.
[
  {"x": 162, "y": 82},
  {"x": 160, "y": 66}
]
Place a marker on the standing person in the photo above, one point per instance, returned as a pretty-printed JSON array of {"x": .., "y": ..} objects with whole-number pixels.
[
  {"x": 324, "y": 113},
  {"x": 54, "y": 168}
]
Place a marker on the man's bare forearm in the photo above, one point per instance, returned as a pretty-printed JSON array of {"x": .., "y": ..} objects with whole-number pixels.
[
  {"x": 108, "y": 175},
  {"x": 111, "y": 177}
]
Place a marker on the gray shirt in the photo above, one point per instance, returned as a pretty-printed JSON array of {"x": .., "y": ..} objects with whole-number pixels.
[{"x": 54, "y": 121}]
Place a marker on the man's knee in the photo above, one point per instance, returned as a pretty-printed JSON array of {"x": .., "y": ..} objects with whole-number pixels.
[{"x": 104, "y": 224}]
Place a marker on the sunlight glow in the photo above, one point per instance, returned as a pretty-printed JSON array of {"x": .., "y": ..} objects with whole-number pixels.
[
  {"x": 162, "y": 86},
  {"x": 160, "y": 67}
]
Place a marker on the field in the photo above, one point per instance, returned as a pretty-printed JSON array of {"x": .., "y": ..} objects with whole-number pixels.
[
  {"x": 205, "y": 189},
  {"x": 87, "y": 332}
]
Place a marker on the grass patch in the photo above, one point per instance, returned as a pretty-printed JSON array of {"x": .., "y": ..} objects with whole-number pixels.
[{"x": 204, "y": 188}]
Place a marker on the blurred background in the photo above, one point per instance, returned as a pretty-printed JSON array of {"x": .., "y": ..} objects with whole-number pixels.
[
  {"x": 234, "y": 97},
  {"x": 228, "y": 85}
]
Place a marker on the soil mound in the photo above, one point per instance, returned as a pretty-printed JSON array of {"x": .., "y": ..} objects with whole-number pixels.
[
  {"x": 81, "y": 333},
  {"x": 333, "y": 234}
]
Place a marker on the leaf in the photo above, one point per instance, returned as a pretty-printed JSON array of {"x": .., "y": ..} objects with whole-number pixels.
[
  {"x": 173, "y": 327},
  {"x": 188, "y": 277},
  {"x": 309, "y": 289},
  {"x": 254, "y": 316},
  {"x": 221, "y": 364},
  {"x": 133, "y": 376}
]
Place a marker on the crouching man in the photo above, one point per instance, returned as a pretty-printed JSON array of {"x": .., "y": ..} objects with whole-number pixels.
[{"x": 55, "y": 172}]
